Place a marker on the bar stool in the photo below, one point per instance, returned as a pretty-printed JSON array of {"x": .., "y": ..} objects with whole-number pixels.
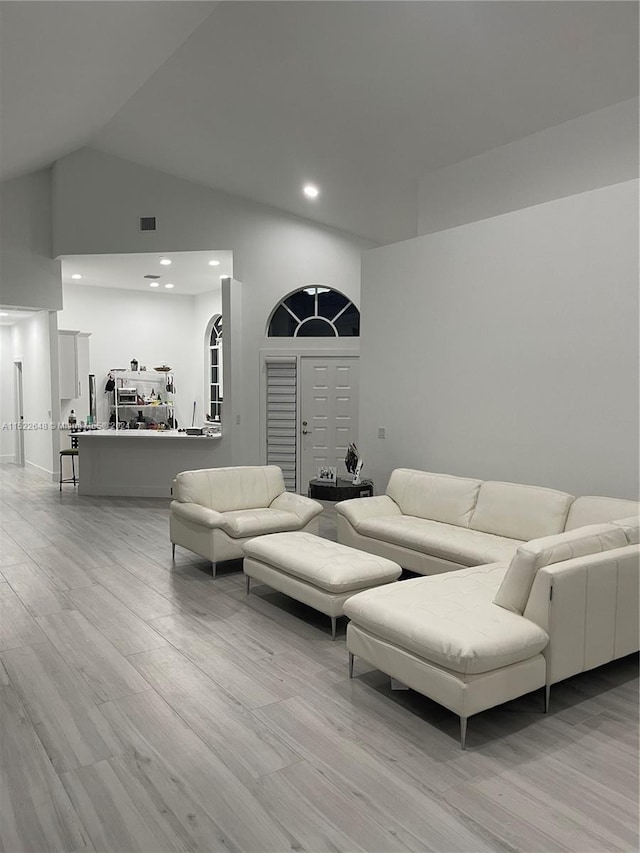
[{"x": 72, "y": 453}]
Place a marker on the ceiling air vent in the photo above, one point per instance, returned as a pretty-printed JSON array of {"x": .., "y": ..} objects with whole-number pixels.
[
  {"x": 152, "y": 277},
  {"x": 147, "y": 223}
]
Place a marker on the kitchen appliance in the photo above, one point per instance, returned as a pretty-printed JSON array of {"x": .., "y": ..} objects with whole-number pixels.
[
  {"x": 92, "y": 397},
  {"x": 127, "y": 396}
]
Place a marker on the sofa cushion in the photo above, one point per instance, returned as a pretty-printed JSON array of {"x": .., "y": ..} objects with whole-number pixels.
[
  {"x": 256, "y": 522},
  {"x": 520, "y": 512},
  {"x": 440, "y": 497},
  {"x": 223, "y": 489},
  {"x": 531, "y": 556},
  {"x": 446, "y": 541},
  {"x": 449, "y": 619},
  {"x": 631, "y": 527},
  {"x": 599, "y": 510}
]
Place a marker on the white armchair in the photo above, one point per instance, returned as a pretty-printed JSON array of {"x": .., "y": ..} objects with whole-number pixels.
[{"x": 216, "y": 510}]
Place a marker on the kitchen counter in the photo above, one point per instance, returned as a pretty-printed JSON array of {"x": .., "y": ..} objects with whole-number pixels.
[
  {"x": 143, "y": 433},
  {"x": 143, "y": 463}
]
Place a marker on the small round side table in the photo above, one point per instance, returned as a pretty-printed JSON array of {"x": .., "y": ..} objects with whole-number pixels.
[{"x": 342, "y": 490}]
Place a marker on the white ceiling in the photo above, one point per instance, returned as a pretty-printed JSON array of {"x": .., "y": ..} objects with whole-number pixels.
[
  {"x": 14, "y": 315},
  {"x": 68, "y": 67},
  {"x": 189, "y": 272},
  {"x": 257, "y": 97}
]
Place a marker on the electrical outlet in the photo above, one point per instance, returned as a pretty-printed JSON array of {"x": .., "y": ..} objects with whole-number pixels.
[
  {"x": 237, "y": 420},
  {"x": 382, "y": 432}
]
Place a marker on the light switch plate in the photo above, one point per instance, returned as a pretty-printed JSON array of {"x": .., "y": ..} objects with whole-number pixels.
[{"x": 382, "y": 432}]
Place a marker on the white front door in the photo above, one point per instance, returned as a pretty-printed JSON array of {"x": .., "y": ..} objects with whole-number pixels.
[{"x": 328, "y": 419}]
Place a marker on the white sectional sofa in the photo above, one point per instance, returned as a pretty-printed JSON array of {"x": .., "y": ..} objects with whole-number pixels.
[
  {"x": 433, "y": 523},
  {"x": 214, "y": 511},
  {"x": 477, "y": 637}
]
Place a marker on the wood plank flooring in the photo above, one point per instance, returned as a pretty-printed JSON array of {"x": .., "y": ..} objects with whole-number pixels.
[{"x": 147, "y": 707}]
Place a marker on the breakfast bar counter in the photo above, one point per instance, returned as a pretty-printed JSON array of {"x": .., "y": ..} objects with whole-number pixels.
[{"x": 142, "y": 463}]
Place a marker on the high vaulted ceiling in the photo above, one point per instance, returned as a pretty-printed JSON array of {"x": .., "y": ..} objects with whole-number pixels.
[{"x": 257, "y": 97}]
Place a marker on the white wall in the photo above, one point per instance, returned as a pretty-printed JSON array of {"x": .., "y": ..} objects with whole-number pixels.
[
  {"x": 34, "y": 343},
  {"x": 7, "y": 398},
  {"x": 99, "y": 198},
  {"x": 511, "y": 349},
  {"x": 595, "y": 150},
  {"x": 127, "y": 324},
  {"x": 29, "y": 277}
]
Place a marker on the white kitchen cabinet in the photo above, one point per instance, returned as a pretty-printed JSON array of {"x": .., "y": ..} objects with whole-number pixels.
[{"x": 73, "y": 364}]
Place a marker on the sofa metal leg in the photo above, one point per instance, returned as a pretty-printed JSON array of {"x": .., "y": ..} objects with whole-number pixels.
[
  {"x": 351, "y": 657},
  {"x": 173, "y": 550},
  {"x": 547, "y": 696},
  {"x": 213, "y": 569},
  {"x": 333, "y": 627},
  {"x": 248, "y": 584},
  {"x": 463, "y": 732}
]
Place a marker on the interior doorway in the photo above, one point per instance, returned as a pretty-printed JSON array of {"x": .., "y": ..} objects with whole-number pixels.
[
  {"x": 145, "y": 309},
  {"x": 19, "y": 408},
  {"x": 327, "y": 414}
]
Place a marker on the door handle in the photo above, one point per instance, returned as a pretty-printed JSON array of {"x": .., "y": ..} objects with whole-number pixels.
[{"x": 306, "y": 431}]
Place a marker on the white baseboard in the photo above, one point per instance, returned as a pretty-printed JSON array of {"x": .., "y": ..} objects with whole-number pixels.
[
  {"x": 42, "y": 472},
  {"x": 7, "y": 457},
  {"x": 124, "y": 491}
]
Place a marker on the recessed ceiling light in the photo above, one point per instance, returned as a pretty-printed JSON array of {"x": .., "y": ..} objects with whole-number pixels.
[
  {"x": 165, "y": 262},
  {"x": 4, "y": 313},
  {"x": 76, "y": 275},
  {"x": 168, "y": 285},
  {"x": 153, "y": 284},
  {"x": 214, "y": 263},
  {"x": 311, "y": 191}
]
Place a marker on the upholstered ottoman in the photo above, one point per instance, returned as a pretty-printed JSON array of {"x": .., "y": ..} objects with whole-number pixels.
[{"x": 318, "y": 572}]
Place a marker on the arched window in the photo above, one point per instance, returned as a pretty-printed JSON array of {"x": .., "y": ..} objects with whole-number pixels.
[
  {"x": 317, "y": 312},
  {"x": 215, "y": 369}
]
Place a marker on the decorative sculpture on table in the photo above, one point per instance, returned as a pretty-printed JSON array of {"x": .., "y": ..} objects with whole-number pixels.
[{"x": 353, "y": 463}]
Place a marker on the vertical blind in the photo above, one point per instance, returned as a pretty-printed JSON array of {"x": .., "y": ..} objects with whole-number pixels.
[{"x": 281, "y": 417}]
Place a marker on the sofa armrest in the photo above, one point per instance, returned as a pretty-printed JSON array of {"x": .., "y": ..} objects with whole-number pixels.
[
  {"x": 197, "y": 514},
  {"x": 589, "y": 607},
  {"x": 304, "y": 508},
  {"x": 358, "y": 509}
]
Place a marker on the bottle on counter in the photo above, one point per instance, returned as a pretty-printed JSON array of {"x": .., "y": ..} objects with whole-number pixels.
[{"x": 73, "y": 421}]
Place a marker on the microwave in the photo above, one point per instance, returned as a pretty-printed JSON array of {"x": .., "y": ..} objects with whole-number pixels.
[{"x": 127, "y": 396}]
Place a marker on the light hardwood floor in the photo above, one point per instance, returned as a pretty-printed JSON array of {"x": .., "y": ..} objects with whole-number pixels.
[{"x": 147, "y": 707}]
